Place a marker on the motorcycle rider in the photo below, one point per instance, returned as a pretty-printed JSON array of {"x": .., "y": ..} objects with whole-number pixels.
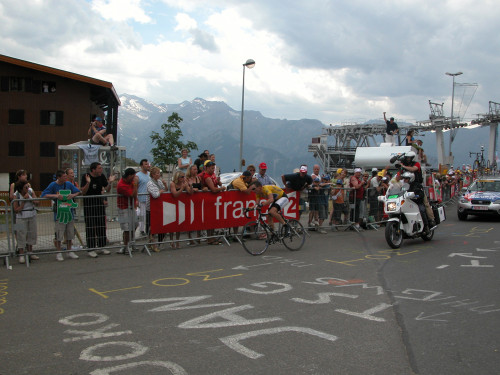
[{"x": 416, "y": 185}]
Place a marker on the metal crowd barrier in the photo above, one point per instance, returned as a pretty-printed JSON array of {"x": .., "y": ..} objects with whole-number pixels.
[
  {"x": 6, "y": 245},
  {"x": 96, "y": 227}
]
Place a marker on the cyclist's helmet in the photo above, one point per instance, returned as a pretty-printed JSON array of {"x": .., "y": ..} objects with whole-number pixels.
[{"x": 409, "y": 175}]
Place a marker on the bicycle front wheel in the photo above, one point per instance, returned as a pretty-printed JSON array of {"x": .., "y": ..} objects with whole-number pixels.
[
  {"x": 255, "y": 238},
  {"x": 294, "y": 238}
]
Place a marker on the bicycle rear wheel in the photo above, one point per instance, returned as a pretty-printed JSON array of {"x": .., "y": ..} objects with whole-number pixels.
[
  {"x": 296, "y": 236},
  {"x": 255, "y": 238}
]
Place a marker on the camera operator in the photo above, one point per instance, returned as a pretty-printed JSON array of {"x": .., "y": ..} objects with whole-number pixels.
[{"x": 408, "y": 164}]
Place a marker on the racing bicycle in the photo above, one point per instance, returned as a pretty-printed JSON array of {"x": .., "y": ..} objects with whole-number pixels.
[{"x": 258, "y": 235}]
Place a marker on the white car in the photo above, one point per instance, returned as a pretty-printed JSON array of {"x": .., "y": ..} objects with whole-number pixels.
[{"x": 482, "y": 197}]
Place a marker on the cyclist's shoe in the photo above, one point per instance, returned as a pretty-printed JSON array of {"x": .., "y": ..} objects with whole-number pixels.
[{"x": 287, "y": 230}]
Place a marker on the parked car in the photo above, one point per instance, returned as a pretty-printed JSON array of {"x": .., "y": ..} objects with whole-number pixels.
[{"x": 482, "y": 197}]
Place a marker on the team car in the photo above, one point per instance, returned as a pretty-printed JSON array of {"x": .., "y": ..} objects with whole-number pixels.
[{"x": 482, "y": 197}]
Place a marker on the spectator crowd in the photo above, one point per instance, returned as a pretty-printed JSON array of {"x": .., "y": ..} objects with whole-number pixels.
[{"x": 332, "y": 199}]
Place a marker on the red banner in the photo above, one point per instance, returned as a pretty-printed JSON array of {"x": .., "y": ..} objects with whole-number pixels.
[{"x": 207, "y": 211}]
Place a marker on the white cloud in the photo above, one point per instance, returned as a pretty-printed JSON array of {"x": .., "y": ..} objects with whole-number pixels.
[
  {"x": 121, "y": 10},
  {"x": 333, "y": 61},
  {"x": 184, "y": 22}
]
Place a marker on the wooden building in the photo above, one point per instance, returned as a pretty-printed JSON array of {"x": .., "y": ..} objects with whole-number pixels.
[{"x": 43, "y": 107}]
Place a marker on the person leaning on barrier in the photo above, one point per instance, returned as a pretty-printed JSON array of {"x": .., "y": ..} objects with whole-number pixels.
[
  {"x": 357, "y": 183},
  {"x": 210, "y": 182},
  {"x": 298, "y": 182},
  {"x": 155, "y": 187},
  {"x": 94, "y": 210},
  {"x": 64, "y": 223},
  {"x": 193, "y": 178},
  {"x": 25, "y": 209},
  {"x": 178, "y": 185},
  {"x": 127, "y": 204},
  {"x": 142, "y": 190},
  {"x": 340, "y": 206}
]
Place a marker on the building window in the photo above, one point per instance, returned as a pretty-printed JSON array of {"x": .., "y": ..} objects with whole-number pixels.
[
  {"x": 51, "y": 118},
  {"x": 16, "y": 148},
  {"x": 17, "y": 84},
  {"x": 47, "y": 149},
  {"x": 16, "y": 116},
  {"x": 48, "y": 87},
  {"x": 26, "y": 84}
]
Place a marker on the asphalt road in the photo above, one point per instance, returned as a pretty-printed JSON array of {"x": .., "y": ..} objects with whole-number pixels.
[{"x": 345, "y": 304}]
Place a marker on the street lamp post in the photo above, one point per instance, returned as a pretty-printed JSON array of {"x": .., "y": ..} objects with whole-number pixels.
[
  {"x": 249, "y": 64},
  {"x": 452, "y": 101}
]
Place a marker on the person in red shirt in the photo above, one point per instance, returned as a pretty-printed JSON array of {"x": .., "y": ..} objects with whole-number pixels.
[
  {"x": 127, "y": 204},
  {"x": 358, "y": 184}
]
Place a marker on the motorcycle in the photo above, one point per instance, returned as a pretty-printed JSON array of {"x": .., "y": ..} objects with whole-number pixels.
[{"x": 405, "y": 220}]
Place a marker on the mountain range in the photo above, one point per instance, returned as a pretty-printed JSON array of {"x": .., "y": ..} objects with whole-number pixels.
[
  {"x": 212, "y": 125},
  {"x": 282, "y": 144}
]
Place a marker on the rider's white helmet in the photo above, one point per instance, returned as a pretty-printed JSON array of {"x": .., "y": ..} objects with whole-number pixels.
[
  {"x": 409, "y": 175},
  {"x": 410, "y": 155}
]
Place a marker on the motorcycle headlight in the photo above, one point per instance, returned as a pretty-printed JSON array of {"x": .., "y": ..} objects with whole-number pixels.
[{"x": 391, "y": 206}]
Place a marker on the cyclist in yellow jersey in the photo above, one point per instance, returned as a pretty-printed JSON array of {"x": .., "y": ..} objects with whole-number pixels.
[{"x": 275, "y": 197}]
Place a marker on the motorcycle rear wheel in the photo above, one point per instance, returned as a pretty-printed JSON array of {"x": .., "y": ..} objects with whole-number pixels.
[
  {"x": 393, "y": 235},
  {"x": 427, "y": 236}
]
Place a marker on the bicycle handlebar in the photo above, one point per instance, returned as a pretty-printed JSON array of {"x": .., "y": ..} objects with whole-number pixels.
[{"x": 257, "y": 207}]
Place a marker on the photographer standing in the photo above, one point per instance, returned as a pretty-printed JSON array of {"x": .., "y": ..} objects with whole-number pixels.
[{"x": 390, "y": 130}]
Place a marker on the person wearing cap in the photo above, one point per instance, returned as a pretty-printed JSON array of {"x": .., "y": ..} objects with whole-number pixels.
[
  {"x": 391, "y": 130},
  {"x": 62, "y": 228},
  {"x": 374, "y": 190},
  {"x": 340, "y": 206},
  {"x": 97, "y": 133},
  {"x": 262, "y": 177},
  {"x": 298, "y": 182},
  {"x": 127, "y": 204}
]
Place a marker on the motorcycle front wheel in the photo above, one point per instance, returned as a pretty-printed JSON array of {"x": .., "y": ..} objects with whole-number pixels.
[{"x": 393, "y": 235}]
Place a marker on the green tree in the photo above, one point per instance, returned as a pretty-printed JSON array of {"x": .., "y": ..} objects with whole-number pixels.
[{"x": 167, "y": 147}]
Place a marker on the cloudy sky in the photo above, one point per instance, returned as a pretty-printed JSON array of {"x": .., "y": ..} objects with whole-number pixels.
[{"x": 336, "y": 61}]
